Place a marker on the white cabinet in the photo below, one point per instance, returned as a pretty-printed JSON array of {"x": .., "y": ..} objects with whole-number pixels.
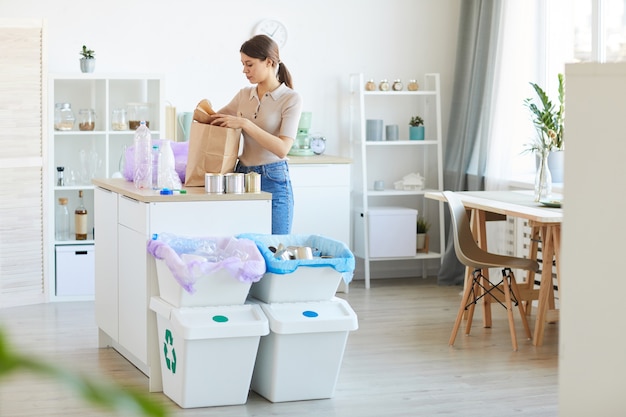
[
  {"x": 97, "y": 153},
  {"x": 321, "y": 191},
  {"x": 387, "y": 162},
  {"x": 126, "y": 273}
]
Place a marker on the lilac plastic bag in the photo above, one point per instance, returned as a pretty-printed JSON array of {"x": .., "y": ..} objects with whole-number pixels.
[
  {"x": 180, "y": 149},
  {"x": 190, "y": 258}
]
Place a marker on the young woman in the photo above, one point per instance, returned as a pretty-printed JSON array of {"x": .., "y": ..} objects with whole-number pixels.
[{"x": 268, "y": 114}]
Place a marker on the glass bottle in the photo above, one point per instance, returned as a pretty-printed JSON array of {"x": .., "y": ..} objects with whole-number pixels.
[
  {"x": 397, "y": 85},
  {"x": 384, "y": 85},
  {"x": 62, "y": 221},
  {"x": 80, "y": 218},
  {"x": 138, "y": 112},
  {"x": 63, "y": 116},
  {"x": 86, "y": 119},
  {"x": 370, "y": 85},
  {"x": 60, "y": 176}
]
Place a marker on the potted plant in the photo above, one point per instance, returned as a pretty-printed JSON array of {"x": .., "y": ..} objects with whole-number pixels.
[
  {"x": 422, "y": 234},
  {"x": 548, "y": 120},
  {"x": 88, "y": 60},
  {"x": 416, "y": 128}
]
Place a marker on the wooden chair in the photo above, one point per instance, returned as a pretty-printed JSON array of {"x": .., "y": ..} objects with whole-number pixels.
[{"x": 477, "y": 285}]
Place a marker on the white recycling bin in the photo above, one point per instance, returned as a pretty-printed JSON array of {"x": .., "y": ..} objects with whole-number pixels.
[
  {"x": 301, "y": 357},
  {"x": 208, "y": 353}
]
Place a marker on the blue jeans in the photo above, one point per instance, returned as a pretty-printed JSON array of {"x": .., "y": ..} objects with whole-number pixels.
[{"x": 275, "y": 180}]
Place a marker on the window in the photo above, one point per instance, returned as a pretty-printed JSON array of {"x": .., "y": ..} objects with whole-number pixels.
[{"x": 537, "y": 39}]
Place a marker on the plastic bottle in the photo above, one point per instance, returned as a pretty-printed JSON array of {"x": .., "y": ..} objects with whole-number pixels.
[
  {"x": 167, "y": 175},
  {"x": 156, "y": 160},
  {"x": 62, "y": 223},
  {"x": 143, "y": 157}
]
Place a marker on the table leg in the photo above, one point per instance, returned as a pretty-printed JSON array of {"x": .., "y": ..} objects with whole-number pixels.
[{"x": 550, "y": 234}]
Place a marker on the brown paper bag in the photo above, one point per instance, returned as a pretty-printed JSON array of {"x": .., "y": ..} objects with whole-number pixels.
[{"x": 212, "y": 149}]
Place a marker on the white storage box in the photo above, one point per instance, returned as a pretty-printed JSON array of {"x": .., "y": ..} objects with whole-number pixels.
[
  {"x": 207, "y": 353},
  {"x": 392, "y": 232},
  {"x": 75, "y": 270},
  {"x": 301, "y": 357},
  {"x": 218, "y": 288},
  {"x": 304, "y": 284}
]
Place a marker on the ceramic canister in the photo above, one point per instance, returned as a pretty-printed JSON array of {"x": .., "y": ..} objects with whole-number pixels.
[
  {"x": 234, "y": 182},
  {"x": 214, "y": 183}
]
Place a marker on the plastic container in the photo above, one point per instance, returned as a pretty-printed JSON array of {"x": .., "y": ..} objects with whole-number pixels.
[
  {"x": 301, "y": 279},
  {"x": 392, "y": 232},
  {"x": 205, "y": 271},
  {"x": 207, "y": 354},
  {"x": 142, "y": 177},
  {"x": 301, "y": 357}
]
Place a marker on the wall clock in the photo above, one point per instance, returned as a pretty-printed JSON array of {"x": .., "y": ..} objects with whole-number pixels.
[{"x": 274, "y": 29}]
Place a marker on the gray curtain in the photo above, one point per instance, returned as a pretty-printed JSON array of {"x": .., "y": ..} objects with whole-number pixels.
[{"x": 465, "y": 149}]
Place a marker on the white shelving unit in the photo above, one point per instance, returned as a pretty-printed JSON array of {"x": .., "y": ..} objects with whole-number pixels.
[
  {"x": 390, "y": 161},
  {"x": 90, "y": 154}
]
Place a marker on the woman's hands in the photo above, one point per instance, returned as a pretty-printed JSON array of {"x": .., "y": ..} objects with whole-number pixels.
[{"x": 225, "y": 120}]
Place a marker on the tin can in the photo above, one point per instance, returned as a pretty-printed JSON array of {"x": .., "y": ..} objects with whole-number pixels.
[
  {"x": 234, "y": 183},
  {"x": 253, "y": 182},
  {"x": 214, "y": 183}
]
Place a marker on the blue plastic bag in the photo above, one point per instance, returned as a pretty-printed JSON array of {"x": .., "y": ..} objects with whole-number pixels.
[
  {"x": 341, "y": 258},
  {"x": 190, "y": 258}
]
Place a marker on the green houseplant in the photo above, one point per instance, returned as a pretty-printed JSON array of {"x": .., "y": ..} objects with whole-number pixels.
[
  {"x": 416, "y": 128},
  {"x": 548, "y": 119},
  {"x": 87, "y": 60},
  {"x": 423, "y": 226}
]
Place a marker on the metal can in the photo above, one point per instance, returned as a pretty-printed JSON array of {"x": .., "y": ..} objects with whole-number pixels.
[
  {"x": 214, "y": 183},
  {"x": 253, "y": 182},
  {"x": 234, "y": 182}
]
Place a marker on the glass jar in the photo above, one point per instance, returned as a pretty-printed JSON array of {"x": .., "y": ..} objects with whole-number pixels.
[
  {"x": 63, "y": 117},
  {"x": 370, "y": 85},
  {"x": 384, "y": 85},
  {"x": 397, "y": 85},
  {"x": 138, "y": 112},
  {"x": 412, "y": 86},
  {"x": 62, "y": 220},
  {"x": 86, "y": 119},
  {"x": 119, "y": 120}
]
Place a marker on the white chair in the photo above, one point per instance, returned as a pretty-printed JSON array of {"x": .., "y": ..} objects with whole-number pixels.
[{"x": 477, "y": 286}]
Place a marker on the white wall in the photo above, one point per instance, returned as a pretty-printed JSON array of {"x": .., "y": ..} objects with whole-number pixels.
[{"x": 195, "y": 45}]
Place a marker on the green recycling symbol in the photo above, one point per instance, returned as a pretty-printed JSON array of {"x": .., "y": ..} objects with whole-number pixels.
[{"x": 170, "y": 354}]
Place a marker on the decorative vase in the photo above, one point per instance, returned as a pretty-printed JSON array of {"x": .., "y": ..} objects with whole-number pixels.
[
  {"x": 416, "y": 132},
  {"x": 543, "y": 178},
  {"x": 87, "y": 65}
]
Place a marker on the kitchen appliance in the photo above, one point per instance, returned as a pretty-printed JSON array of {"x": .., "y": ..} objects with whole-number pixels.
[{"x": 302, "y": 144}]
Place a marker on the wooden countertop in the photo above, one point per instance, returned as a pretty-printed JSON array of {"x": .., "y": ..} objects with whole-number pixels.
[
  {"x": 318, "y": 159},
  {"x": 127, "y": 188}
]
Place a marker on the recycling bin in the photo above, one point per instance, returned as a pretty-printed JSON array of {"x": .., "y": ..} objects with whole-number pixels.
[{"x": 207, "y": 354}]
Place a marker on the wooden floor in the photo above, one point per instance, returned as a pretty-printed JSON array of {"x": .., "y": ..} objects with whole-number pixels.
[{"x": 398, "y": 363}]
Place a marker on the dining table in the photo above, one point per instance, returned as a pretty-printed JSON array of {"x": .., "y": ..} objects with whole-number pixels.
[{"x": 544, "y": 218}]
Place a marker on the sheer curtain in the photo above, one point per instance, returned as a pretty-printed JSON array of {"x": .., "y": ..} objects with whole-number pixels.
[{"x": 466, "y": 147}]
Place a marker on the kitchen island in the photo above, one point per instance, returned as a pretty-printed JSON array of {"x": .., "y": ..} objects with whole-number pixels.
[{"x": 125, "y": 219}]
